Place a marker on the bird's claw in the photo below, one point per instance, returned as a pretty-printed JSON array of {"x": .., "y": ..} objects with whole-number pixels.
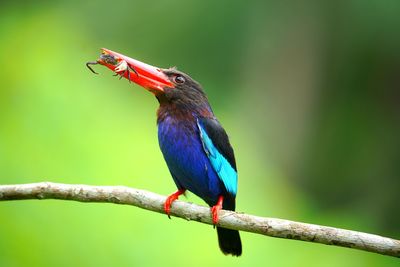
[
  {"x": 215, "y": 209},
  {"x": 171, "y": 198}
]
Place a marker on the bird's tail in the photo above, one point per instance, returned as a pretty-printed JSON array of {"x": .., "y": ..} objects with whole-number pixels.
[{"x": 229, "y": 241}]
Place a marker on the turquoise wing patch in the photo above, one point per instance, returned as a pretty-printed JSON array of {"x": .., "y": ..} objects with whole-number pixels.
[{"x": 221, "y": 166}]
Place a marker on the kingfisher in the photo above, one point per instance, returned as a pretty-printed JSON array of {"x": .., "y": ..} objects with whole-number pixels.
[{"x": 195, "y": 146}]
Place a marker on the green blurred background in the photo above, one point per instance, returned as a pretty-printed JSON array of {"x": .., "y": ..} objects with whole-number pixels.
[{"x": 309, "y": 93}]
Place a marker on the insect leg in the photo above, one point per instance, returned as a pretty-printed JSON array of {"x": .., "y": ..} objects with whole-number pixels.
[
  {"x": 91, "y": 63},
  {"x": 122, "y": 75},
  {"x": 129, "y": 75},
  {"x": 133, "y": 69}
]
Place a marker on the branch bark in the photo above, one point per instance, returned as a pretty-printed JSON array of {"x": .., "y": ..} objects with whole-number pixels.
[{"x": 189, "y": 211}]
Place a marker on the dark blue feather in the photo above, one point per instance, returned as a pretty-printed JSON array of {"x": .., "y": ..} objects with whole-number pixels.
[{"x": 187, "y": 161}]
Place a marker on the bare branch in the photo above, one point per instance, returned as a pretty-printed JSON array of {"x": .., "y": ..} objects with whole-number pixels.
[{"x": 189, "y": 211}]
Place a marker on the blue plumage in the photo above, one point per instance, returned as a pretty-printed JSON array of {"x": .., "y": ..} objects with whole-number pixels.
[
  {"x": 187, "y": 161},
  {"x": 197, "y": 151}
]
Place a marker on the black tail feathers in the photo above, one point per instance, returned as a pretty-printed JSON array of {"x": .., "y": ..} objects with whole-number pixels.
[{"x": 229, "y": 241}]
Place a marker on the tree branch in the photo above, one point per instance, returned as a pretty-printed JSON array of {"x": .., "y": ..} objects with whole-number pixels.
[{"x": 189, "y": 211}]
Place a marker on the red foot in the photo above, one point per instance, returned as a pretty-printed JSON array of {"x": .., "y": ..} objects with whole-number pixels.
[
  {"x": 171, "y": 198},
  {"x": 215, "y": 209}
]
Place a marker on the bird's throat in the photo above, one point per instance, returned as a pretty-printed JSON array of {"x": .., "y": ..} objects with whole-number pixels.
[{"x": 182, "y": 113}]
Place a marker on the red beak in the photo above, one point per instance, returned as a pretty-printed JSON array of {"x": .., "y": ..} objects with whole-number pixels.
[{"x": 147, "y": 76}]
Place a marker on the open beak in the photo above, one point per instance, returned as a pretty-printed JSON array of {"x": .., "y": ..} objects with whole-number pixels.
[{"x": 147, "y": 76}]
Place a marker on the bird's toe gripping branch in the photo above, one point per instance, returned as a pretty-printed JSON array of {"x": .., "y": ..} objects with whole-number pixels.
[
  {"x": 215, "y": 209},
  {"x": 171, "y": 198}
]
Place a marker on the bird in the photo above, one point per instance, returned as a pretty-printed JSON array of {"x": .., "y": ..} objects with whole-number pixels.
[{"x": 195, "y": 146}]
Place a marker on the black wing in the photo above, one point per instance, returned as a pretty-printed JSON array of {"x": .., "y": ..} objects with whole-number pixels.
[{"x": 219, "y": 138}]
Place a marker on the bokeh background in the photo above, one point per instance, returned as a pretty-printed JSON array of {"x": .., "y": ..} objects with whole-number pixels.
[{"x": 308, "y": 91}]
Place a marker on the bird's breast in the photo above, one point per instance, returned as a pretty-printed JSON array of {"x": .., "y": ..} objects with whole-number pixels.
[
  {"x": 180, "y": 143},
  {"x": 183, "y": 152}
]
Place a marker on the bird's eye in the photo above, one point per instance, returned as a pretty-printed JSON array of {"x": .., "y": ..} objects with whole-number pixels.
[{"x": 179, "y": 79}]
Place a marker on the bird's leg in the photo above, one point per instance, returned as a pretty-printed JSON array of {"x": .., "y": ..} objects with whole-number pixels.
[
  {"x": 171, "y": 198},
  {"x": 215, "y": 209}
]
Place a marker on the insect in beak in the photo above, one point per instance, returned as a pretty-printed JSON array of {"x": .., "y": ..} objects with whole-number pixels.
[{"x": 122, "y": 67}]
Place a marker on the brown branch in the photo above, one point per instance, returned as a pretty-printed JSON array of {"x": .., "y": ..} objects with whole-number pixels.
[{"x": 189, "y": 211}]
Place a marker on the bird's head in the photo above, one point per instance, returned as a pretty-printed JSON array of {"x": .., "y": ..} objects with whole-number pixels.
[{"x": 168, "y": 85}]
